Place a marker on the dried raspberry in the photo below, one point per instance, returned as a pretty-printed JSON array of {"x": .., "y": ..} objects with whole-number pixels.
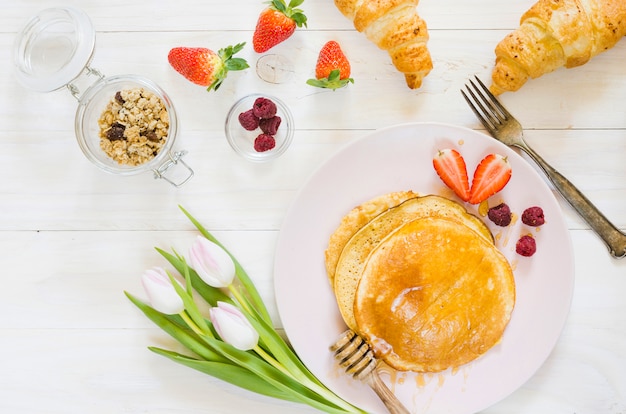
[
  {"x": 264, "y": 108},
  {"x": 500, "y": 215},
  {"x": 270, "y": 125},
  {"x": 264, "y": 142},
  {"x": 152, "y": 136},
  {"x": 533, "y": 216},
  {"x": 116, "y": 132},
  {"x": 526, "y": 246},
  {"x": 118, "y": 98},
  {"x": 248, "y": 120}
]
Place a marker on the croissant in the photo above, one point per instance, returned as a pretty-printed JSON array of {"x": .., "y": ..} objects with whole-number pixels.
[
  {"x": 556, "y": 33},
  {"x": 394, "y": 26}
]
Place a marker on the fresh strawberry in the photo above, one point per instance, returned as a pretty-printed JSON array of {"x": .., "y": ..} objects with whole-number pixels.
[
  {"x": 491, "y": 175},
  {"x": 332, "y": 69},
  {"x": 203, "y": 66},
  {"x": 276, "y": 24},
  {"x": 450, "y": 166}
]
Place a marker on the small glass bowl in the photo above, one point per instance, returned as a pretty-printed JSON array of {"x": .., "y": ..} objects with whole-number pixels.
[
  {"x": 90, "y": 107},
  {"x": 242, "y": 140}
]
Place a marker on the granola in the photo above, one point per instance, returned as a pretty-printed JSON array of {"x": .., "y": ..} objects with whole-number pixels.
[{"x": 133, "y": 126}]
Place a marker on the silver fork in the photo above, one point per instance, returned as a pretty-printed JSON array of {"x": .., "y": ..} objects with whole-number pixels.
[{"x": 505, "y": 128}]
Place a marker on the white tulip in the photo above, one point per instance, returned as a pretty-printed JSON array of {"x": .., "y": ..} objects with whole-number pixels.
[
  {"x": 214, "y": 266},
  {"x": 233, "y": 327},
  {"x": 161, "y": 293}
]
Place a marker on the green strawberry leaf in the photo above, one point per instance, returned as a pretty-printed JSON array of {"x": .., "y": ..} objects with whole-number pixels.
[
  {"x": 279, "y": 5},
  {"x": 333, "y": 81},
  {"x": 236, "y": 64},
  {"x": 299, "y": 18}
]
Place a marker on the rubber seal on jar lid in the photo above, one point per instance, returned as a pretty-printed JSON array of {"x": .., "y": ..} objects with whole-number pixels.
[{"x": 53, "y": 48}]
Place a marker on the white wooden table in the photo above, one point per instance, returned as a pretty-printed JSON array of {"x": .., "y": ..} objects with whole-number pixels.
[{"x": 73, "y": 238}]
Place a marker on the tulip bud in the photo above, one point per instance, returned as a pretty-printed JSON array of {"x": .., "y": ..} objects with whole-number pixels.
[
  {"x": 161, "y": 293},
  {"x": 233, "y": 327},
  {"x": 214, "y": 266}
]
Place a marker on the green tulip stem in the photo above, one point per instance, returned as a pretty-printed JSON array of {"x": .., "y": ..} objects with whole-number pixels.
[
  {"x": 194, "y": 327},
  {"x": 272, "y": 361},
  {"x": 243, "y": 303},
  {"x": 302, "y": 380}
]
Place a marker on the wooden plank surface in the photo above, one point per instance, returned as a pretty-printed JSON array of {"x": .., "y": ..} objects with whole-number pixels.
[{"x": 74, "y": 238}]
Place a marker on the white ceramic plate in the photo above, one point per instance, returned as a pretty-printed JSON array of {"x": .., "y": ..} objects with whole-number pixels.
[{"x": 400, "y": 158}]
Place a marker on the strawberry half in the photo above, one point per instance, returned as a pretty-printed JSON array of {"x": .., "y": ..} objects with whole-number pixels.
[
  {"x": 491, "y": 175},
  {"x": 332, "y": 69},
  {"x": 450, "y": 167},
  {"x": 203, "y": 66},
  {"x": 276, "y": 24}
]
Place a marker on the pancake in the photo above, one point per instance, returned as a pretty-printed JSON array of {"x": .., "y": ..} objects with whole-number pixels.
[
  {"x": 434, "y": 295},
  {"x": 354, "y": 220},
  {"x": 358, "y": 247}
]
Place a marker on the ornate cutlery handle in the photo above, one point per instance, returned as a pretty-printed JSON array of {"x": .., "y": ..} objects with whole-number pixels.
[
  {"x": 611, "y": 235},
  {"x": 384, "y": 393}
]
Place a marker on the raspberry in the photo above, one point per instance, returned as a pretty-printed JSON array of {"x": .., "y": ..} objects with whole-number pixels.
[
  {"x": 500, "y": 215},
  {"x": 264, "y": 142},
  {"x": 270, "y": 125},
  {"x": 526, "y": 246},
  {"x": 248, "y": 120},
  {"x": 264, "y": 108},
  {"x": 533, "y": 216},
  {"x": 116, "y": 132}
]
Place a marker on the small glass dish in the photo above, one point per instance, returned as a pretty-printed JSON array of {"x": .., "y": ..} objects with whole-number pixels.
[{"x": 242, "y": 140}]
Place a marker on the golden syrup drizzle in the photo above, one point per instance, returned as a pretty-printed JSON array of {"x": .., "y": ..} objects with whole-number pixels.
[
  {"x": 420, "y": 380},
  {"x": 483, "y": 208},
  {"x": 441, "y": 380}
]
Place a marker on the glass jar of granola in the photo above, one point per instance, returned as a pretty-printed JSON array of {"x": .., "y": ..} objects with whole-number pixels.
[{"x": 124, "y": 125}]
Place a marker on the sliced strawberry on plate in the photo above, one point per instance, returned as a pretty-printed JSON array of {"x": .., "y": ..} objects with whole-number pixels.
[
  {"x": 450, "y": 166},
  {"x": 491, "y": 175}
]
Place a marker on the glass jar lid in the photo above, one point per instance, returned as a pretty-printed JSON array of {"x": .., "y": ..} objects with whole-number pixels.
[{"x": 53, "y": 48}]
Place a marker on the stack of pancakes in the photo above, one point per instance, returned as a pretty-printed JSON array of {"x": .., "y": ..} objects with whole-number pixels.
[{"x": 421, "y": 280}]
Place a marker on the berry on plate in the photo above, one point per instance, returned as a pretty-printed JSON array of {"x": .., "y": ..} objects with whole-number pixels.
[
  {"x": 491, "y": 175},
  {"x": 332, "y": 70},
  {"x": 276, "y": 23},
  {"x": 500, "y": 215},
  {"x": 450, "y": 167},
  {"x": 526, "y": 246},
  {"x": 533, "y": 216},
  {"x": 203, "y": 66}
]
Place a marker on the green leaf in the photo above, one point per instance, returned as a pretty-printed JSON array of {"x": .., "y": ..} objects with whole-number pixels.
[
  {"x": 190, "y": 306},
  {"x": 243, "y": 277},
  {"x": 333, "y": 81},
  {"x": 279, "y": 5},
  {"x": 299, "y": 18},
  {"x": 236, "y": 64},
  {"x": 274, "y": 376},
  {"x": 295, "y": 3},
  {"x": 238, "y": 47},
  {"x": 173, "y": 325},
  {"x": 230, "y": 373}
]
